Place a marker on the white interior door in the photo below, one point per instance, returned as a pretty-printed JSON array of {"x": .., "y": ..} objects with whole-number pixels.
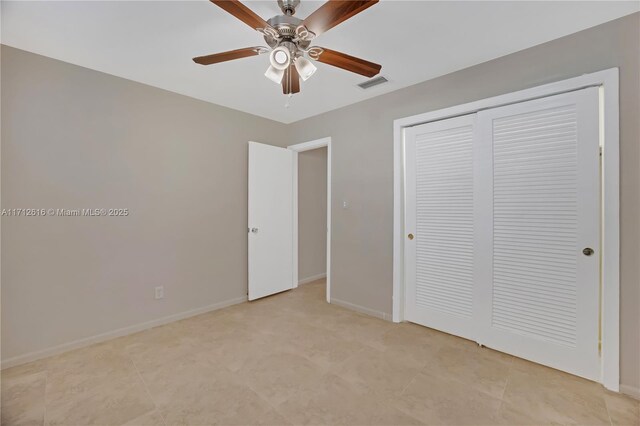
[
  {"x": 270, "y": 220},
  {"x": 538, "y": 209},
  {"x": 439, "y": 221}
]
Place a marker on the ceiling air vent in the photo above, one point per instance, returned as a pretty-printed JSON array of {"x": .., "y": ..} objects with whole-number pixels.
[{"x": 373, "y": 82}]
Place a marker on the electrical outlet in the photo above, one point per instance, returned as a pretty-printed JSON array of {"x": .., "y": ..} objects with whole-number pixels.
[{"x": 160, "y": 292}]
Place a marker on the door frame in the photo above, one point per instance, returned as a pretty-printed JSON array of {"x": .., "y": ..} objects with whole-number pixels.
[
  {"x": 297, "y": 148},
  {"x": 608, "y": 83}
]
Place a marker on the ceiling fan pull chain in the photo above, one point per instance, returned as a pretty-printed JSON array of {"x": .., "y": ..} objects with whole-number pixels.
[{"x": 289, "y": 96}]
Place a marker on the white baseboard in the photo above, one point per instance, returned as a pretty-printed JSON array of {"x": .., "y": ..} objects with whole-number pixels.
[
  {"x": 312, "y": 279},
  {"x": 630, "y": 390},
  {"x": 362, "y": 309},
  {"x": 87, "y": 341}
]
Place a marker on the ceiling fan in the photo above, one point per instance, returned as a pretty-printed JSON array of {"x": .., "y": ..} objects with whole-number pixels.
[{"x": 289, "y": 40}]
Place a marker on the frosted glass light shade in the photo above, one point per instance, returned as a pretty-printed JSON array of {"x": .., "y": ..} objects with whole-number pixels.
[
  {"x": 305, "y": 68},
  {"x": 280, "y": 58},
  {"x": 274, "y": 74}
]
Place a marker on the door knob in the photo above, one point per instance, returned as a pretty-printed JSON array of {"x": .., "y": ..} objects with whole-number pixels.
[
  {"x": 254, "y": 230},
  {"x": 587, "y": 251},
  {"x": 410, "y": 236}
]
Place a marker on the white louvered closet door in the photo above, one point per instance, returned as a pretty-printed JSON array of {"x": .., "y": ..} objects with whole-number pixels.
[
  {"x": 537, "y": 195},
  {"x": 439, "y": 215}
]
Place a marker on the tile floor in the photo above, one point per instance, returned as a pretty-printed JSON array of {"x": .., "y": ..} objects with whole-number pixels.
[{"x": 293, "y": 359}]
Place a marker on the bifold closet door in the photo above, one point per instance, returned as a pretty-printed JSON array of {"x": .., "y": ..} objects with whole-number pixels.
[
  {"x": 538, "y": 245},
  {"x": 439, "y": 222}
]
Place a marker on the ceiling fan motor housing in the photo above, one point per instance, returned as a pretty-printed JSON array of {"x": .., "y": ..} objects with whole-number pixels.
[{"x": 286, "y": 26}]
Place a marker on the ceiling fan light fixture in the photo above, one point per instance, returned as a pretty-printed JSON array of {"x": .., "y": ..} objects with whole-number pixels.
[
  {"x": 274, "y": 74},
  {"x": 280, "y": 58},
  {"x": 289, "y": 39},
  {"x": 305, "y": 68}
]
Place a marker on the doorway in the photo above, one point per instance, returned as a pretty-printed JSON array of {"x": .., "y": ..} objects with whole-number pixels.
[{"x": 312, "y": 212}]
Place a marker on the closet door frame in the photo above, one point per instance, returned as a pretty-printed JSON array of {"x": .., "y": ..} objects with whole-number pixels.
[{"x": 608, "y": 83}]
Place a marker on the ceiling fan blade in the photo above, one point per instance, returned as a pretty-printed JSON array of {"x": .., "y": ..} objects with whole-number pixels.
[
  {"x": 242, "y": 12},
  {"x": 291, "y": 80},
  {"x": 229, "y": 56},
  {"x": 348, "y": 62},
  {"x": 334, "y": 12}
]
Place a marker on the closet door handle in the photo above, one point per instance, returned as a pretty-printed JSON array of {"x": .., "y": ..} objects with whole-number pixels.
[{"x": 588, "y": 251}]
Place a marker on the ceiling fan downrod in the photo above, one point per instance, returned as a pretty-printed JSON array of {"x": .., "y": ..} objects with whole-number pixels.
[{"x": 288, "y": 7}]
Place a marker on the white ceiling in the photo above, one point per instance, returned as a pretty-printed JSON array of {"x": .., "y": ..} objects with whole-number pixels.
[{"x": 153, "y": 42}]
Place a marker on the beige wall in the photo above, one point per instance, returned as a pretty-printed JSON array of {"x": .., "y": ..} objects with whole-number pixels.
[
  {"x": 312, "y": 213},
  {"x": 76, "y": 138},
  {"x": 362, "y": 161}
]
